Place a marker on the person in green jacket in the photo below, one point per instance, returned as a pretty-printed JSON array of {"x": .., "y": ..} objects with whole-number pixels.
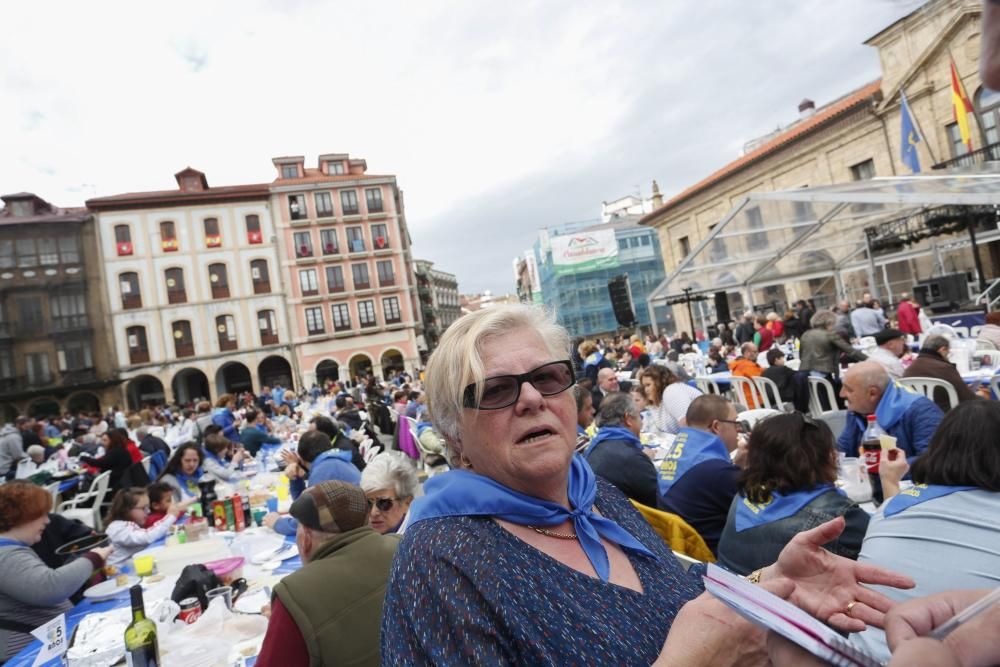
[
  {"x": 330, "y": 611},
  {"x": 255, "y": 434}
]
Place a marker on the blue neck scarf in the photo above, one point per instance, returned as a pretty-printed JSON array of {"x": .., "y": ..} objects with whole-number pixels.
[
  {"x": 8, "y": 542},
  {"x": 613, "y": 433},
  {"x": 920, "y": 493},
  {"x": 594, "y": 359},
  {"x": 779, "y": 506},
  {"x": 210, "y": 455},
  {"x": 465, "y": 493},
  {"x": 894, "y": 403},
  {"x": 334, "y": 453},
  {"x": 189, "y": 483},
  {"x": 691, "y": 447}
]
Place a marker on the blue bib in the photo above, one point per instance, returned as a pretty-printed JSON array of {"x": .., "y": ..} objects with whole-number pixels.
[
  {"x": 342, "y": 454},
  {"x": 189, "y": 484},
  {"x": 691, "y": 447},
  {"x": 7, "y": 542},
  {"x": 778, "y": 507},
  {"x": 920, "y": 493},
  {"x": 612, "y": 433}
]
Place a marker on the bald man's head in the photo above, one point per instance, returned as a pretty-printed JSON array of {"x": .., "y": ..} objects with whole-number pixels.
[
  {"x": 863, "y": 386},
  {"x": 607, "y": 380}
]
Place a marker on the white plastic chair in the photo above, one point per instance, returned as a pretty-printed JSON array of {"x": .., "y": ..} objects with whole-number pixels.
[
  {"x": 768, "y": 389},
  {"x": 929, "y": 386},
  {"x": 983, "y": 345},
  {"x": 145, "y": 463},
  {"x": 71, "y": 509},
  {"x": 740, "y": 395},
  {"x": 53, "y": 490},
  {"x": 817, "y": 386},
  {"x": 995, "y": 385},
  {"x": 793, "y": 364},
  {"x": 751, "y": 417},
  {"x": 707, "y": 385}
]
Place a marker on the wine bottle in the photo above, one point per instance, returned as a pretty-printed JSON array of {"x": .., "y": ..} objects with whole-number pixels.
[{"x": 141, "y": 649}]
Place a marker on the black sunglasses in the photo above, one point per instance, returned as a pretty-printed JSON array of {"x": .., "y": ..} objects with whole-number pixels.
[
  {"x": 383, "y": 504},
  {"x": 502, "y": 391}
]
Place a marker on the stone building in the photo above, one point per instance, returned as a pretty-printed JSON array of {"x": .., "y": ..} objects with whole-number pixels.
[
  {"x": 54, "y": 351},
  {"x": 193, "y": 282},
  {"x": 853, "y": 138},
  {"x": 345, "y": 256},
  {"x": 439, "y": 300}
]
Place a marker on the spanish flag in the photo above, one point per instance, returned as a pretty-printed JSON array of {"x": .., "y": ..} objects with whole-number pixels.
[{"x": 961, "y": 107}]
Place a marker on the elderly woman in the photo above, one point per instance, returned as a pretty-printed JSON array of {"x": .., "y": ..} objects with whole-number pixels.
[
  {"x": 668, "y": 396},
  {"x": 32, "y": 593},
  {"x": 522, "y": 556},
  {"x": 390, "y": 482},
  {"x": 785, "y": 488},
  {"x": 821, "y": 347}
]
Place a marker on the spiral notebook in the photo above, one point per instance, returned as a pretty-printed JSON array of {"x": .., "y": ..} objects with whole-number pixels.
[{"x": 769, "y": 611}]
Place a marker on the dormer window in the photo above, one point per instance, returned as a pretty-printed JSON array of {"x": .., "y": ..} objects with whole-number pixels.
[
  {"x": 289, "y": 171},
  {"x": 335, "y": 168}
]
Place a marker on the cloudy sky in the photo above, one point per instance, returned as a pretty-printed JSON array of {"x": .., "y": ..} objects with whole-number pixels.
[{"x": 497, "y": 117}]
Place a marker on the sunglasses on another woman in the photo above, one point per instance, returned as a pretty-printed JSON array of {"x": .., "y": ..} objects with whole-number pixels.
[
  {"x": 501, "y": 391},
  {"x": 382, "y": 504}
]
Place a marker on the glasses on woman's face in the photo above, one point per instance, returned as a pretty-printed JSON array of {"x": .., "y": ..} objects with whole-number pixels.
[
  {"x": 740, "y": 426},
  {"x": 383, "y": 504},
  {"x": 502, "y": 391}
]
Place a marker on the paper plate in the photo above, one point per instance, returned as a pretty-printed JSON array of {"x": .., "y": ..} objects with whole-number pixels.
[
  {"x": 109, "y": 589},
  {"x": 279, "y": 554}
]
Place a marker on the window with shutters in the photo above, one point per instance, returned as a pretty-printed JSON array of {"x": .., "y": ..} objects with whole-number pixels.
[
  {"x": 260, "y": 277},
  {"x": 335, "y": 279},
  {"x": 303, "y": 244},
  {"x": 349, "y": 202},
  {"x": 183, "y": 342},
  {"x": 341, "y": 317},
  {"x": 390, "y": 310},
  {"x": 175, "y": 286},
  {"x": 328, "y": 241},
  {"x": 366, "y": 313},
  {"x": 254, "y": 235},
  {"x": 373, "y": 198},
  {"x": 309, "y": 282},
  {"x": 218, "y": 278},
  {"x": 380, "y": 237},
  {"x": 225, "y": 328},
  {"x": 386, "y": 275},
  {"x": 268, "y": 326},
  {"x": 314, "y": 321},
  {"x": 360, "y": 274},
  {"x": 213, "y": 239},
  {"x": 355, "y": 239},
  {"x": 138, "y": 351},
  {"x": 324, "y": 205},
  {"x": 297, "y": 207},
  {"x": 128, "y": 284}
]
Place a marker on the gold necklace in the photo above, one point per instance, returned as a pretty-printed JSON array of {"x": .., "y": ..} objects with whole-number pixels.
[{"x": 552, "y": 533}]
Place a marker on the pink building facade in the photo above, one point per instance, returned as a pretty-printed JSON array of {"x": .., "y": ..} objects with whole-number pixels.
[{"x": 344, "y": 254}]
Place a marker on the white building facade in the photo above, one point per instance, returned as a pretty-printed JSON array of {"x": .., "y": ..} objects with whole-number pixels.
[{"x": 194, "y": 291}]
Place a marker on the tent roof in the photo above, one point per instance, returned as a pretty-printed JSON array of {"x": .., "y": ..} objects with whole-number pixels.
[{"x": 794, "y": 234}]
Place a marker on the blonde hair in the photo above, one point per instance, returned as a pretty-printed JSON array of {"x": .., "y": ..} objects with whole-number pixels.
[
  {"x": 456, "y": 362},
  {"x": 586, "y": 348}
]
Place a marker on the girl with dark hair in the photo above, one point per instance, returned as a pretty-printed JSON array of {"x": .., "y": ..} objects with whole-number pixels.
[
  {"x": 786, "y": 487},
  {"x": 184, "y": 471},
  {"x": 944, "y": 531},
  {"x": 125, "y": 521}
]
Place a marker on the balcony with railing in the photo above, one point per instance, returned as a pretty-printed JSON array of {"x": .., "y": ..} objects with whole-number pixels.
[
  {"x": 70, "y": 322},
  {"x": 79, "y": 376},
  {"x": 176, "y": 296},
  {"x": 184, "y": 349},
  {"x": 220, "y": 291},
  {"x": 974, "y": 158},
  {"x": 261, "y": 286},
  {"x": 268, "y": 338},
  {"x": 227, "y": 344},
  {"x": 130, "y": 301}
]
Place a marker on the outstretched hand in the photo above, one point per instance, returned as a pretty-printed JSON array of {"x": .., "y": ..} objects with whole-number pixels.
[{"x": 825, "y": 584}]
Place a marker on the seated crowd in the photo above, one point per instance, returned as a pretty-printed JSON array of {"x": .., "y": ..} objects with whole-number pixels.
[{"x": 551, "y": 496}]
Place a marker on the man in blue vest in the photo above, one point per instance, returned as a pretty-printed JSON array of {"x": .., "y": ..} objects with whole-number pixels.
[
  {"x": 697, "y": 480},
  {"x": 907, "y": 416},
  {"x": 320, "y": 461}
]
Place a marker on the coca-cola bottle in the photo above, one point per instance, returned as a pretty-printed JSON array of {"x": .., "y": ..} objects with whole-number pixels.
[{"x": 871, "y": 445}]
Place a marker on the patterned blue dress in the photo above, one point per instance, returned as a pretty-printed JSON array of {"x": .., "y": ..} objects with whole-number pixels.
[{"x": 465, "y": 591}]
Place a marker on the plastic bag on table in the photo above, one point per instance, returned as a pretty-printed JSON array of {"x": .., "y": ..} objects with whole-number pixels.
[{"x": 209, "y": 641}]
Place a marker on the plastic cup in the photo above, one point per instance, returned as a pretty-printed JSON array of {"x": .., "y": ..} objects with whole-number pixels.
[
  {"x": 272, "y": 504},
  {"x": 143, "y": 565},
  {"x": 223, "y": 592},
  {"x": 259, "y": 513},
  {"x": 283, "y": 493}
]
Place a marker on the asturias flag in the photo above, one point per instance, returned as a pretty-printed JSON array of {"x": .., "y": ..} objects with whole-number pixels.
[
  {"x": 962, "y": 107},
  {"x": 910, "y": 136}
]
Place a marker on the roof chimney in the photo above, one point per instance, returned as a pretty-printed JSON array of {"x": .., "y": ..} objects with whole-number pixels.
[
  {"x": 657, "y": 197},
  {"x": 806, "y": 108}
]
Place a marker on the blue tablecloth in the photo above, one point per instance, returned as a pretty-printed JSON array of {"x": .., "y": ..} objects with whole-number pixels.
[
  {"x": 68, "y": 484},
  {"x": 77, "y": 613}
]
